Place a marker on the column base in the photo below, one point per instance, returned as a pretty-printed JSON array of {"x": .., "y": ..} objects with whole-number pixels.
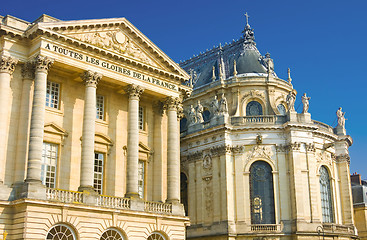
[
  {"x": 132, "y": 195},
  {"x": 5, "y": 192},
  {"x": 33, "y": 189},
  {"x": 177, "y": 208}
]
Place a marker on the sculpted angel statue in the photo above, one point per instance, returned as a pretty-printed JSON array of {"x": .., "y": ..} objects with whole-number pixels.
[
  {"x": 192, "y": 115},
  {"x": 306, "y": 104},
  {"x": 341, "y": 119},
  {"x": 223, "y": 106},
  {"x": 291, "y": 98},
  {"x": 199, "y": 112},
  {"x": 215, "y": 106}
]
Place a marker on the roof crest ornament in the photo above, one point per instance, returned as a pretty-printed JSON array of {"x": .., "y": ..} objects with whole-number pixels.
[{"x": 248, "y": 34}]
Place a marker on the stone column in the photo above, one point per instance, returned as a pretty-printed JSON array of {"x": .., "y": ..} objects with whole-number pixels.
[
  {"x": 43, "y": 64},
  {"x": 158, "y": 162},
  {"x": 90, "y": 80},
  {"x": 173, "y": 150},
  {"x": 24, "y": 121},
  {"x": 133, "y": 141},
  {"x": 7, "y": 66}
]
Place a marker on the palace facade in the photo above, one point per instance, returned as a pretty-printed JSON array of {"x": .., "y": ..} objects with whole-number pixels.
[
  {"x": 89, "y": 132},
  {"x": 253, "y": 167}
]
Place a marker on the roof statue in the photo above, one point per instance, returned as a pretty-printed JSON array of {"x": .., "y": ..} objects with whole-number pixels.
[
  {"x": 306, "y": 103},
  {"x": 341, "y": 119}
]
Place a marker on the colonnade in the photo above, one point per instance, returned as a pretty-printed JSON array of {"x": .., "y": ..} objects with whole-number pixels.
[{"x": 33, "y": 174}]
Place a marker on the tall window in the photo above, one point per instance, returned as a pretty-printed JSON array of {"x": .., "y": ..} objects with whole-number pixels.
[
  {"x": 52, "y": 94},
  {"x": 184, "y": 192},
  {"x": 98, "y": 172},
  {"x": 60, "y": 232},
  {"x": 49, "y": 163},
  {"x": 254, "y": 108},
  {"x": 141, "y": 178},
  {"x": 141, "y": 118},
  {"x": 325, "y": 191},
  {"x": 262, "y": 193},
  {"x": 100, "y": 107}
]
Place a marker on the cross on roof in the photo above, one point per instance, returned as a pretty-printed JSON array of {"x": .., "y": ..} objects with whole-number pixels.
[{"x": 247, "y": 16}]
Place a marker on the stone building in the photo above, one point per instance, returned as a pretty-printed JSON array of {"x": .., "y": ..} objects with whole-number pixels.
[
  {"x": 89, "y": 132},
  {"x": 253, "y": 167},
  {"x": 359, "y": 192}
]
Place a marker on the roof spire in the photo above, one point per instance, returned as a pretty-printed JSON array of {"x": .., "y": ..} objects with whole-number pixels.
[{"x": 248, "y": 33}]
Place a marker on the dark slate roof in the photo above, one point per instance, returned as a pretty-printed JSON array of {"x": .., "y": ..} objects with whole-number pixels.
[{"x": 243, "y": 51}]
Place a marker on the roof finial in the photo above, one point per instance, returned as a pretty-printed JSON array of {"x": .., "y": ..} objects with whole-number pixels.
[
  {"x": 289, "y": 75},
  {"x": 213, "y": 77},
  {"x": 247, "y": 16},
  {"x": 234, "y": 68}
]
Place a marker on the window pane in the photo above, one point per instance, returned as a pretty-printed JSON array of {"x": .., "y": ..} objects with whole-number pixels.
[
  {"x": 98, "y": 172},
  {"x": 141, "y": 179},
  {"x": 100, "y": 107},
  {"x": 262, "y": 193},
  {"x": 49, "y": 164},
  {"x": 254, "y": 108},
  {"x": 325, "y": 192},
  {"x": 141, "y": 118},
  {"x": 52, "y": 94}
]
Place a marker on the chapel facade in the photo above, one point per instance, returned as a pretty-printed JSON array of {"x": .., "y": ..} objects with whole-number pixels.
[
  {"x": 253, "y": 167},
  {"x": 89, "y": 132}
]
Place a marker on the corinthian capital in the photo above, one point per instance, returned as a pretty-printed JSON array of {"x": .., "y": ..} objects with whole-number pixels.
[
  {"x": 90, "y": 78},
  {"x": 134, "y": 91},
  {"x": 28, "y": 69},
  {"x": 43, "y": 63},
  {"x": 174, "y": 104},
  {"x": 7, "y": 64}
]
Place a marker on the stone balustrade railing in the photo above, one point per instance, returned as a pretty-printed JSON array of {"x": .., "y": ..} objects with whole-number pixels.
[
  {"x": 113, "y": 202},
  {"x": 158, "y": 207},
  {"x": 67, "y": 196},
  {"x": 337, "y": 228},
  {"x": 263, "y": 119},
  {"x": 265, "y": 227},
  {"x": 64, "y": 195},
  {"x": 323, "y": 126}
]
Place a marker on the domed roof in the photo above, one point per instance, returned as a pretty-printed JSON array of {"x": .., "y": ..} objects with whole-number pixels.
[{"x": 219, "y": 62}]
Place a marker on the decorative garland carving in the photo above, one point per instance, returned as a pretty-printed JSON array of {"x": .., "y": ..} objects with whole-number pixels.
[
  {"x": 220, "y": 150},
  {"x": 294, "y": 146},
  {"x": 115, "y": 41},
  {"x": 7, "y": 64},
  {"x": 260, "y": 151}
]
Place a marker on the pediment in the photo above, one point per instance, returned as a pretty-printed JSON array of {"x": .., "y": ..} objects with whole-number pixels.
[
  {"x": 118, "y": 36},
  {"x": 54, "y": 129},
  {"x": 103, "y": 139}
]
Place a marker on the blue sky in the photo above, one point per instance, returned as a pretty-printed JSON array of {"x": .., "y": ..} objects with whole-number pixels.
[{"x": 323, "y": 42}]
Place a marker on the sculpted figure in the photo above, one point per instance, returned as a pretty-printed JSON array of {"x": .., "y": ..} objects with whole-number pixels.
[
  {"x": 223, "y": 106},
  {"x": 341, "y": 118},
  {"x": 192, "y": 115},
  {"x": 306, "y": 104},
  {"x": 215, "y": 106},
  {"x": 199, "y": 112},
  {"x": 291, "y": 98}
]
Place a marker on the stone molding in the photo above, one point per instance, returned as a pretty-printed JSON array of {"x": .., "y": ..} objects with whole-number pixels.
[
  {"x": 172, "y": 103},
  {"x": 91, "y": 78},
  {"x": 7, "y": 64},
  {"x": 28, "y": 70},
  {"x": 43, "y": 63},
  {"x": 295, "y": 146},
  {"x": 134, "y": 91}
]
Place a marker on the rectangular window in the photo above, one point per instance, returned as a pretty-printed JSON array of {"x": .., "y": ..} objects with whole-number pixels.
[
  {"x": 141, "y": 118},
  {"x": 100, "y": 107},
  {"x": 49, "y": 163},
  {"x": 141, "y": 178},
  {"x": 52, "y": 94},
  {"x": 98, "y": 172}
]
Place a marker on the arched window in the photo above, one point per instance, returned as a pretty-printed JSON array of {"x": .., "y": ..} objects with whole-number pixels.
[
  {"x": 282, "y": 110},
  {"x": 156, "y": 236},
  {"x": 111, "y": 234},
  {"x": 60, "y": 232},
  {"x": 325, "y": 192},
  {"x": 262, "y": 193},
  {"x": 254, "y": 108},
  {"x": 184, "y": 191}
]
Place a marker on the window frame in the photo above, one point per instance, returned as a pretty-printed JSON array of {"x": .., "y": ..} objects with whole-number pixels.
[
  {"x": 331, "y": 207},
  {"x": 102, "y": 173},
  {"x": 101, "y": 115},
  {"x": 43, "y": 163},
  {"x": 144, "y": 188},
  {"x": 256, "y": 101},
  {"x": 141, "y": 118},
  {"x": 49, "y": 99}
]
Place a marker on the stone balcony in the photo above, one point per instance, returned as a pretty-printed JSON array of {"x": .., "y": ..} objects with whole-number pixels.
[{"x": 86, "y": 198}]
